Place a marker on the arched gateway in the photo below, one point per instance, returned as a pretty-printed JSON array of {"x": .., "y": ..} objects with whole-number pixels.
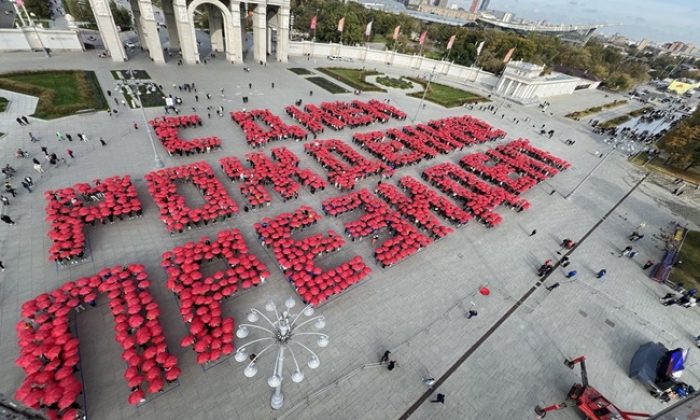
[{"x": 226, "y": 24}]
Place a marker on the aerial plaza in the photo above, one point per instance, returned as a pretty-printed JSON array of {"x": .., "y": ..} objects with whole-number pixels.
[{"x": 234, "y": 240}]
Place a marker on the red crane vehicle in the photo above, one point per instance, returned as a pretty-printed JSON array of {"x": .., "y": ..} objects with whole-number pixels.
[{"x": 588, "y": 400}]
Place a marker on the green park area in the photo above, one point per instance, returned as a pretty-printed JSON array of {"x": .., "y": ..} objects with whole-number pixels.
[
  {"x": 393, "y": 82},
  {"x": 300, "y": 71},
  {"x": 3, "y": 104},
  {"x": 687, "y": 272},
  {"x": 352, "y": 77},
  {"x": 60, "y": 93},
  {"x": 444, "y": 95},
  {"x": 594, "y": 110},
  {"x": 327, "y": 85}
]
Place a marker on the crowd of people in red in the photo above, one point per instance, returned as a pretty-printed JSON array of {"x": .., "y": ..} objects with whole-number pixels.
[
  {"x": 522, "y": 146},
  {"x": 480, "y": 197},
  {"x": 167, "y": 130},
  {"x": 411, "y": 144},
  {"x": 257, "y": 136},
  {"x": 344, "y": 175},
  {"x": 498, "y": 172},
  {"x": 337, "y": 115},
  {"x": 200, "y": 297},
  {"x": 419, "y": 205},
  {"x": 49, "y": 350},
  {"x": 282, "y": 173},
  {"x": 296, "y": 257},
  {"x": 174, "y": 212},
  {"x": 406, "y": 239},
  {"x": 68, "y": 210}
]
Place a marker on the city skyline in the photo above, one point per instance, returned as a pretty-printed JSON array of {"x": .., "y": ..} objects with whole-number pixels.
[{"x": 656, "y": 20}]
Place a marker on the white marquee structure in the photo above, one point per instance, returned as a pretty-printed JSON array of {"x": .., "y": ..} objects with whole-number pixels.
[{"x": 226, "y": 26}]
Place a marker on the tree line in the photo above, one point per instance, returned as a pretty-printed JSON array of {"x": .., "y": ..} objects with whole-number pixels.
[
  {"x": 682, "y": 143},
  {"x": 616, "y": 69}
]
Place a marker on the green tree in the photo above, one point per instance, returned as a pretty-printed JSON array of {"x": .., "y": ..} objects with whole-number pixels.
[
  {"x": 121, "y": 15},
  {"x": 81, "y": 11},
  {"x": 39, "y": 7}
]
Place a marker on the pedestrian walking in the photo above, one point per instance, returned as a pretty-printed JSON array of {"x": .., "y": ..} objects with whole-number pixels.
[
  {"x": 2, "y": 266},
  {"x": 27, "y": 186},
  {"x": 70, "y": 153},
  {"x": 250, "y": 86},
  {"x": 7, "y": 219},
  {"x": 208, "y": 96},
  {"x": 648, "y": 264},
  {"x": 9, "y": 189},
  {"x": 19, "y": 121},
  {"x": 26, "y": 121},
  {"x": 103, "y": 142},
  {"x": 273, "y": 85},
  {"x": 391, "y": 365},
  {"x": 472, "y": 313},
  {"x": 632, "y": 254},
  {"x": 109, "y": 93},
  {"x": 69, "y": 137},
  {"x": 601, "y": 274},
  {"x": 136, "y": 126},
  {"x": 29, "y": 180},
  {"x": 565, "y": 261},
  {"x": 625, "y": 251},
  {"x": 385, "y": 357},
  {"x": 439, "y": 398},
  {"x": 39, "y": 168},
  {"x": 534, "y": 232},
  {"x": 222, "y": 91},
  {"x": 5, "y": 201},
  {"x": 571, "y": 274},
  {"x": 196, "y": 98},
  {"x": 552, "y": 287},
  {"x": 45, "y": 150}
]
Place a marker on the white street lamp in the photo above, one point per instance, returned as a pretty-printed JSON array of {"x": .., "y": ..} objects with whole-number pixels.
[
  {"x": 135, "y": 90},
  {"x": 282, "y": 333}
]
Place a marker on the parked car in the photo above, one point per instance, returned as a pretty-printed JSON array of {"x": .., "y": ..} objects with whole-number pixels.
[{"x": 334, "y": 58}]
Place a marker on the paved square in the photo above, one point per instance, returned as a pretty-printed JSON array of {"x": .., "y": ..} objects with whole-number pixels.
[{"x": 415, "y": 308}]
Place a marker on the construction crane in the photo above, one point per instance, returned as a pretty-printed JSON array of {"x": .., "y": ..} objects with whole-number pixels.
[{"x": 591, "y": 403}]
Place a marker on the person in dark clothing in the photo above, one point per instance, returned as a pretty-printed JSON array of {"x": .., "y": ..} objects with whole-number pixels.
[
  {"x": 385, "y": 357},
  {"x": 439, "y": 398},
  {"x": 7, "y": 219},
  {"x": 391, "y": 365}
]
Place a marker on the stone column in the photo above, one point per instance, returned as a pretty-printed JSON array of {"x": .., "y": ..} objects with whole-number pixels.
[
  {"x": 259, "y": 30},
  {"x": 283, "y": 34},
  {"x": 185, "y": 30},
  {"x": 174, "y": 41},
  {"x": 136, "y": 12},
  {"x": 234, "y": 35},
  {"x": 108, "y": 30},
  {"x": 216, "y": 29},
  {"x": 149, "y": 31}
]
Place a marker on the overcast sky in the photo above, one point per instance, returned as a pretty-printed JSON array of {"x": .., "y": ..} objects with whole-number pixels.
[{"x": 658, "y": 20}]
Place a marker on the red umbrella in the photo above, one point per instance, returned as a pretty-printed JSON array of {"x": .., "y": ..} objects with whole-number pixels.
[
  {"x": 65, "y": 402},
  {"x": 172, "y": 374},
  {"x": 135, "y": 381},
  {"x": 63, "y": 372},
  {"x": 156, "y": 386},
  {"x": 136, "y": 397},
  {"x": 135, "y": 321},
  {"x": 153, "y": 373},
  {"x": 52, "y": 394}
]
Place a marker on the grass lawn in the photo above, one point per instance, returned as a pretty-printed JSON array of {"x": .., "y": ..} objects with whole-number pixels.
[
  {"x": 444, "y": 95},
  {"x": 688, "y": 273},
  {"x": 123, "y": 74},
  {"x": 352, "y": 77},
  {"x": 399, "y": 83},
  {"x": 626, "y": 117},
  {"x": 593, "y": 110},
  {"x": 61, "y": 92},
  {"x": 658, "y": 165},
  {"x": 3, "y": 104},
  {"x": 300, "y": 71},
  {"x": 327, "y": 84}
]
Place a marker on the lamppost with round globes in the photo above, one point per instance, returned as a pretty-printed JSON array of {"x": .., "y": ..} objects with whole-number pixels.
[{"x": 283, "y": 333}]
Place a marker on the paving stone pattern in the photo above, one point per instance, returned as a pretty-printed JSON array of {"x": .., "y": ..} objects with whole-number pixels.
[{"x": 416, "y": 308}]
